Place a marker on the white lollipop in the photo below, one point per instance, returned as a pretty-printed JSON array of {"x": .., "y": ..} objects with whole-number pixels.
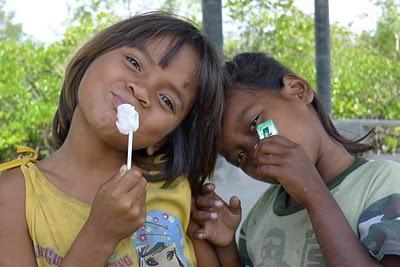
[{"x": 127, "y": 123}]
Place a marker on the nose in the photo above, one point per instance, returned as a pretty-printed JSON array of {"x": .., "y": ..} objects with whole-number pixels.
[{"x": 141, "y": 93}]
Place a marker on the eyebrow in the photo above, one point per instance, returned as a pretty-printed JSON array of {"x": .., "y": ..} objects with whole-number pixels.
[
  {"x": 243, "y": 115},
  {"x": 147, "y": 55}
]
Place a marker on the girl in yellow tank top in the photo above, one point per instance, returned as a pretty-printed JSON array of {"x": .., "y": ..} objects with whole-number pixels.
[{"x": 79, "y": 207}]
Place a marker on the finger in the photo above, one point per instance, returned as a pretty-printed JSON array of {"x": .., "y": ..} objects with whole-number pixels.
[
  {"x": 270, "y": 171},
  {"x": 269, "y": 159},
  {"x": 131, "y": 178},
  {"x": 110, "y": 182},
  {"x": 279, "y": 139},
  {"x": 201, "y": 216},
  {"x": 269, "y": 148},
  {"x": 200, "y": 234},
  {"x": 207, "y": 188},
  {"x": 235, "y": 205},
  {"x": 138, "y": 191},
  {"x": 208, "y": 202}
]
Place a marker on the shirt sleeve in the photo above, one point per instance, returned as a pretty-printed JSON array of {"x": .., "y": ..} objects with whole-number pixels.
[
  {"x": 379, "y": 227},
  {"x": 243, "y": 253}
]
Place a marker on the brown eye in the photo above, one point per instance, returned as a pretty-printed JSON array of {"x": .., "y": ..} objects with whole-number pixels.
[
  {"x": 253, "y": 123},
  {"x": 240, "y": 158},
  {"x": 167, "y": 102},
  {"x": 132, "y": 61}
]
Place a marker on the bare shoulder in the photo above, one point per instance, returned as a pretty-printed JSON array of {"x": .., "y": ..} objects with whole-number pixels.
[
  {"x": 12, "y": 187},
  {"x": 15, "y": 243}
]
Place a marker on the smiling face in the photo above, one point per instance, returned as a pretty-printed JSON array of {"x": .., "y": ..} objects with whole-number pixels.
[
  {"x": 161, "y": 96},
  {"x": 246, "y": 108}
]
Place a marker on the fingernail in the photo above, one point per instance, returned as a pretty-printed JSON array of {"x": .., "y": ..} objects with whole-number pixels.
[
  {"x": 213, "y": 215},
  {"x": 218, "y": 203},
  {"x": 136, "y": 172},
  {"x": 123, "y": 168},
  {"x": 201, "y": 236}
]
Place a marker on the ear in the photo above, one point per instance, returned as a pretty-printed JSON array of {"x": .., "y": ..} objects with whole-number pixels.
[
  {"x": 296, "y": 88},
  {"x": 150, "y": 150}
]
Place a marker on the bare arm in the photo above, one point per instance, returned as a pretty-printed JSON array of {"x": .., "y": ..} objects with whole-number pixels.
[
  {"x": 217, "y": 223},
  {"x": 339, "y": 245},
  {"x": 228, "y": 255},
  {"x": 209, "y": 255},
  {"x": 117, "y": 211},
  {"x": 293, "y": 169},
  {"x": 205, "y": 254},
  {"x": 16, "y": 247}
]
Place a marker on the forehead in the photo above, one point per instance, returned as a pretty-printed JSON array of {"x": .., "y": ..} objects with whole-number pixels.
[
  {"x": 236, "y": 109},
  {"x": 238, "y": 102},
  {"x": 179, "y": 68}
]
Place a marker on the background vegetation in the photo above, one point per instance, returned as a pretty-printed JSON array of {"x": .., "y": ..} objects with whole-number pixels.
[{"x": 365, "y": 67}]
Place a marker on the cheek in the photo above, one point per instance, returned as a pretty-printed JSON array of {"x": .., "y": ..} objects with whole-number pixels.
[{"x": 151, "y": 132}]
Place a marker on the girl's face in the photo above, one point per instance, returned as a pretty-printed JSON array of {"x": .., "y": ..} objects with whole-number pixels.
[
  {"x": 161, "y": 96},
  {"x": 246, "y": 108}
]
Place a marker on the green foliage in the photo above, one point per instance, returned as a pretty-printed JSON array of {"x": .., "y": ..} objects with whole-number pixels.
[
  {"x": 31, "y": 80},
  {"x": 277, "y": 28},
  {"x": 387, "y": 36},
  {"x": 365, "y": 67},
  {"x": 365, "y": 81},
  {"x": 8, "y": 29}
]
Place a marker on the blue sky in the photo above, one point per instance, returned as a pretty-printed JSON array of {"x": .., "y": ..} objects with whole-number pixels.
[{"x": 43, "y": 19}]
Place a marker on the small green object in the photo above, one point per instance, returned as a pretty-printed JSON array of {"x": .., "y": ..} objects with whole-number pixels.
[{"x": 266, "y": 129}]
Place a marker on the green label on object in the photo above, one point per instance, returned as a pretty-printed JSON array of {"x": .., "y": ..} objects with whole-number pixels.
[{"x": 266, "y": 129}]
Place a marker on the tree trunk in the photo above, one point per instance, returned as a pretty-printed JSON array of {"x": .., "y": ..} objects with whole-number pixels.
[
  {"x": 212, "y": 22},
  {"x": 322, "y": 52}
]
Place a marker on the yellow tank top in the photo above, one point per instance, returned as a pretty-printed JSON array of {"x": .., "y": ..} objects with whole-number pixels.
[{"x": 54, "y": 220}]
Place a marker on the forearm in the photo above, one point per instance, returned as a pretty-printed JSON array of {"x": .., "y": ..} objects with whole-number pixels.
[
  {"x": 339, "y": 244},
  {"x": 205, "y": 253},
  {"x": 89, "y": 249},
  {"x": 228, "y": 255}
]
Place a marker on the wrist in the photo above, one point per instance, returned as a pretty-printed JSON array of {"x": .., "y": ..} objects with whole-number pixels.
[
  {"x": 315, "y": 192},
  {"x": 231, "y": 245},
  {"x": 100, "y": 242},
  {"x": 319, "y": 198}
]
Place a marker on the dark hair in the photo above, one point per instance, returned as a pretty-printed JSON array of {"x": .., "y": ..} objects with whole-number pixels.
[
  {"x": 258, "y": 71},
  {"x": 193, "y": 144}
]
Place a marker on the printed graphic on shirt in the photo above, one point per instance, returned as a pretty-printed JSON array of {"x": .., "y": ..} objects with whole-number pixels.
[
  {"x": 160, "y": 241},
  {"x": 379, "y": 227},
  {"x": 273, "y": 249},
  {"x": 49, "y": 255},
  {"x": 115, "y": 261},
  {"x": 312, "y": 256},
  {"x": 53, "y": 258}
]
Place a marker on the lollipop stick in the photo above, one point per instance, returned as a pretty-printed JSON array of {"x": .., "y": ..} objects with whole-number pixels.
[{"x": 129, "y": 160}]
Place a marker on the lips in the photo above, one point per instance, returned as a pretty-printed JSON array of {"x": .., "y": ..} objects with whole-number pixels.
[{"x": 118, "y": 100}]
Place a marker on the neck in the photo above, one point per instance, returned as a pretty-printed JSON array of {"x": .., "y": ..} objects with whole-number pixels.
[
  {"x": 332, "y": 152},
  {"x": 84, "y": 152}
]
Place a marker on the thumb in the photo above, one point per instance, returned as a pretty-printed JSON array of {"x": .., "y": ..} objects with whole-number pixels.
[
  {"x": 235, "y": 206},
  {"x": 121, "y": 172}
]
